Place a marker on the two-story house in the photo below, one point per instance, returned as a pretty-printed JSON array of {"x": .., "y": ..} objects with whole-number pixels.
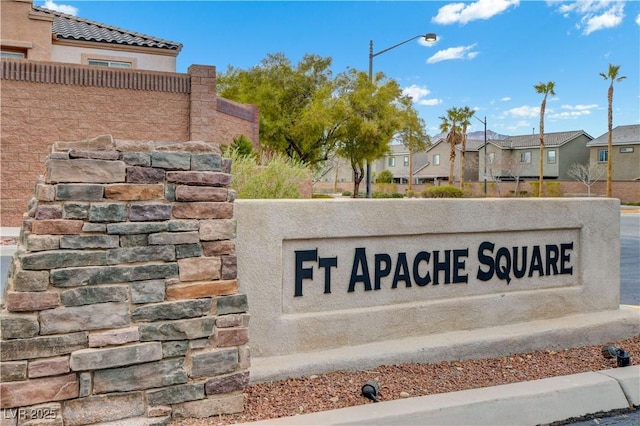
[{"x": 625, "y": 155}]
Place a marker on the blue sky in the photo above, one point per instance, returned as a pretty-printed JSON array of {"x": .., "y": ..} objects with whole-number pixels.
[{"x": 489, "y": 53}]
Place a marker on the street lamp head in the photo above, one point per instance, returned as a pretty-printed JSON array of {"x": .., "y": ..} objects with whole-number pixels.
[{"x": 430, "y": 37}]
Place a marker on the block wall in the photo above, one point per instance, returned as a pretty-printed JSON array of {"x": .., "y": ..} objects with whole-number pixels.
[
  {"x": 122, "y": 300},
  {"x": 43, "y": 102}
]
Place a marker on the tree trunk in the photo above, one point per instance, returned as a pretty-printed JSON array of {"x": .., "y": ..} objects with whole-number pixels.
[
  {"x": 541, "y": 166},
  {"x": 610, "y": 141}
]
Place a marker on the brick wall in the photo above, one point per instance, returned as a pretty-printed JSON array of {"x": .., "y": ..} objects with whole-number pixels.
[
  {"x": 42, "y": 103},
  {"x": 122, "y": 298}
]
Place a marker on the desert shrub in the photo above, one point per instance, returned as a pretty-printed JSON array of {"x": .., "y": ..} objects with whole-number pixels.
[
  {"x": 347, "y": 193},
  {"x": 411, "y": 194},
  {"x": 445, "y": 191},
  {"x": 397, "y": 195},
  {"x": 384, "y": 176},
  {"x": 320, "y": 195}
]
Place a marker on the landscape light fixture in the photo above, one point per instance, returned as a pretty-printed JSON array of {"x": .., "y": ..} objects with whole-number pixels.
[
  {"x": 622, "y": 356},
  {"x": 428, "y": 37},
  {"x": 370, "y": 390}
]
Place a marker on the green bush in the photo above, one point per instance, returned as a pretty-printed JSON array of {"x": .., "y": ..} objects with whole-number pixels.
[
  {"x": 384, "y": 176},
  {"x": 274, "y": 177},
  {"x": 241, "y": 146},
  {"x": 443, "y": 192},
  {"x": 319, "y": 195},
  {"x": 347, "y": 193},
  {"x": 411, "y": 193},
  {"x": 397, "y": 195}
]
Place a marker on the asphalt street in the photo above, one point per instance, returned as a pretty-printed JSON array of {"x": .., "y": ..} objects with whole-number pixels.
[{"x": 630, "y": 259}]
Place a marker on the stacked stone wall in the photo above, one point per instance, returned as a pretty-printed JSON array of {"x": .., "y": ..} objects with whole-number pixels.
[{"x": 122, "y": 301}]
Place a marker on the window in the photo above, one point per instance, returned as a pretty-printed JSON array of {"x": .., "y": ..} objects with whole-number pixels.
[
  {"x": 626, "y": 149},
  {"x": 436, "y": 159},
  {"x": 551, "y": 157},
  {"x": 392, "y": 161},
  {"x": 603, "y": 155},
  {"x": 406, "y": 161},
  {"x": 525, "y": 157},
  {"x": 12, "y": 54},
  {"x": 110, "y": 64}
]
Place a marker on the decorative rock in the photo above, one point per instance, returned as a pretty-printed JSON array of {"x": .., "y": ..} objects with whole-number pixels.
[
  {"x": 158, "y": 411},
  {"x": 220, "y": 229},
  {"x": 97, "y": 409},
  {"x": 50, "y": 211},
  {"x": 30, "y": 392},
  {"x": 98, "y": 155},
  {"x": 174, "y": 348},
  {"x": 236, "y": 336},
  {"x": 199, "y": 268},
  {"x": 229, "y": 267},
  {"x": 188, "y": 250},
  {"x": 177, "y": 330},
  {"x": 226, "y": 321},
  {"x": 136, "y": 158},
  {"x": 200, "y": 178},
  {"x": 134, "y": 192},
  {"x": 94, "y": 227},
  {"x": 85, "y": 385},
  {"x": 75, "y": 210},
  {"x": 202, "y": 289},
  {"x": 108, "y": 212},
  {"x": 79, "y": 192},
  {"x": 89, "y": 317},
  {"x": 117, "y": 356},
  {"x": 63, "y": 259},
  {"x": 209, "y": 407},
  {"x": 172, "y": 310},
  {"x": 227, "y": 383},
  {"x": 149, "y": 212},
  {"x": 42, "y": 347},
  {"x": 145, "y": 175},
  {"x": 176, "y": 394},
  {"x": 143, "y": 376},
  {"x": 92, "y": 295},
  {"x": 206, "y": 364},
  {"x": 226, "y": 165},
  {"x": 18, "y": 326},
  {"x": 232, "y": 304},
  {"x": 43, "y": 242},
  {"x": 31, "y": 280},
  {"x": 118, "y": 336},
  {"x": 147, "y": 291},
  {"x": 57, "y": 226},
  {"x": 203, "y": 210},
  {"x": 31, "y": 301},
  {"x": 195, "y": 193},
  {"x": 170, "y": 192},
  {"x": 136, "y": 240},
  {"x": 218, "y": 248},
  {"x": 71, "y": 277},
  {"x": 183, "y": 225},
  {"x": 190, "y": 237},
  {"x": 245, "y": 358},
  {"x": 100, "y": 142},
  {"x": 209, "y": 162},
  {"x": 141, "y": 254},
  {"x": 45, "y": 192},
  {"x": 171, "y": 160},
  {"x": 13, "y": 371},
  {"x": 135, "y": 228},
  {"x": 49, "y": 367},
  {"x": 81, "y": 170},
  {"x": 89, "y": 241}
]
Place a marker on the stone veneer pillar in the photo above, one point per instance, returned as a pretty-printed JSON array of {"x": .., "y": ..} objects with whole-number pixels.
[{"x": 122, "y": 298}]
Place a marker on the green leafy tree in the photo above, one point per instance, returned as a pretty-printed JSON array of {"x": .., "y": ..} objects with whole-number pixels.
[
  {"x": 384, "y": 176},
  {"x": 612, "y": 75},
  {"x": 450, "y": 124},
  {"x": 371, "y": 118},
  {"x": 297, "y": 104},
  {"x": 545, "y": 89},
  {"x": 412, "y": 133}
]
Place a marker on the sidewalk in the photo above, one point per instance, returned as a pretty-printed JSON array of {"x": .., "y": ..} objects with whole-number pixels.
[{"x": 528, "y": 403}]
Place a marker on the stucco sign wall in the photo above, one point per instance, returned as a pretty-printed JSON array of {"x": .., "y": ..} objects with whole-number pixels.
[{"x": 324, "y": 274}]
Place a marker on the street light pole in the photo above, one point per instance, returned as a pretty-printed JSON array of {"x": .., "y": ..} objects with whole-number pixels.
[
  {"x": 430, "y": 37},
  {"x": 485, "y": 151}
]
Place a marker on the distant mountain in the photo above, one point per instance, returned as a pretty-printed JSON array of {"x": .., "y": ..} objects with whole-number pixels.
[{"x": 477, "y": 135}]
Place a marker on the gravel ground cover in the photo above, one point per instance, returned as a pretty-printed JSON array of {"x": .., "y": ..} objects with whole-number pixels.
[{"x": 342, "y": 388}]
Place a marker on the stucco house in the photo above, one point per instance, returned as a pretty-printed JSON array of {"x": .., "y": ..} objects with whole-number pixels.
[
  {"x": 39, "y": 34},
  {"x": 517, "y": 157},
  {"x": 626, "y": 151}
]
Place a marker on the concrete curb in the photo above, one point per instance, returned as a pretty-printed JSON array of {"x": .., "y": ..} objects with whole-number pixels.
[{"x": 528, "y": 403}]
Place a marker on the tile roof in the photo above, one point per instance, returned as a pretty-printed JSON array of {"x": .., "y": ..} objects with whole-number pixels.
[
  {"x": 533, "y": 140},
  {"x": 68, "y": 27},
  {"x": 621, "y": 135}
]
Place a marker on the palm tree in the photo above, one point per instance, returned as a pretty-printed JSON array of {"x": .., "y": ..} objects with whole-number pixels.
[
  {"x": 546, "y": 89},
  {"x": 465, "y": 116},
  {"x": 612, "y": 75},
  {"x": 450, "y": 125}
]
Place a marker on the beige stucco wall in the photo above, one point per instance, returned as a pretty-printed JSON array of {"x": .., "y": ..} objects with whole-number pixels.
[
  {"x": 144, "y": 61},
  {"x": 270, "y": 232},
  {"x": 24, "y": 29}
]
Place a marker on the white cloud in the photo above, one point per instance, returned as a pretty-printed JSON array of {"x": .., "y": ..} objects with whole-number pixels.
[
  {"x": 467, "y": 12},
  {"x": 574, "y": 111},
  {"x": 505, "y": 99},
  {"x": 460, "y": 52},
  {"x": 594, "y": 15},
  {"x": 580, "y": 107},
  {"x": 63, "y": 8},
  {"x": 638, "y": 19},
  {"x": 419, "y": 95},
  {"x": 523, "y": 111}
]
